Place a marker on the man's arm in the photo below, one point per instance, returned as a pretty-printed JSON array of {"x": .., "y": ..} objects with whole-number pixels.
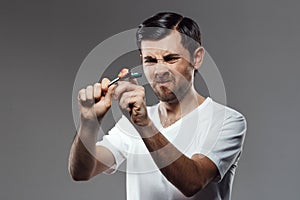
[
  {"x": 86, "y": 159},
  {"x": 189, "y": 175}
]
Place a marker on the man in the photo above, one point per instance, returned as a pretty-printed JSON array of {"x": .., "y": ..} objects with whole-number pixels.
[{"x": 185, "y": 147}]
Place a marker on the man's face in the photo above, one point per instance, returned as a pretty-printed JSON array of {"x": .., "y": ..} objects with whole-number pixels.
[{"x": 167, "y": 66}]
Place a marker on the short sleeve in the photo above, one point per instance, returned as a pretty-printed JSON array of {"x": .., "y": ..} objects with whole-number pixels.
[
  {"x": 229, "y": 143},
  {"x": 117, "y": 142}
]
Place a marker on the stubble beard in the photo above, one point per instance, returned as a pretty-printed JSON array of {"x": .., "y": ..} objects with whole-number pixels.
[{"x": 171, "y": 94}]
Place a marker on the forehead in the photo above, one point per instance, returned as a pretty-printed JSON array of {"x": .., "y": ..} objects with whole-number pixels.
[{"x": 169, "y": 44}]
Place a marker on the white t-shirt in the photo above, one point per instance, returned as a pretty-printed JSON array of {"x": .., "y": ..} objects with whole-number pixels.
[{"x": 211, "y": 129}]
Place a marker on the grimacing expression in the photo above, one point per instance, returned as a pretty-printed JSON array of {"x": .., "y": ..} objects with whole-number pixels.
[{"x": 167, "y": 67}]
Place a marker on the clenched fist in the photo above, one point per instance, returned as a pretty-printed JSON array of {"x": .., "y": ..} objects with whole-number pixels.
[{"x": 94, "y": 101}]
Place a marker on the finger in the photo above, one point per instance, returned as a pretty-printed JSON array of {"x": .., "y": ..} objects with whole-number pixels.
[
  {"x": 123, "y": 72},
  {"x": 132, "y": 97},
  {"x": 89, "y": 93},
  {"x": 123, "y": 101},
  {"x": 108, "y": 96},
  {"x": 97, "y": 91},
  {"x": 81, "y": 95},
  {"x": 133, "y": 80},
  {"x": 125, "y": 86},
  {"x": 133, "y": 102},
  {"x": 104, "y": 84}
]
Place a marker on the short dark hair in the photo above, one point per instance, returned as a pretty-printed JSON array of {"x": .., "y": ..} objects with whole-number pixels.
[{"x": 160, "y": 25}]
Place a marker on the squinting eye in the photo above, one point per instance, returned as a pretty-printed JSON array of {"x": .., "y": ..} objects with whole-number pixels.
[
  {"x": 171, "y": 59},
  {"x": 150, "y": 60}
]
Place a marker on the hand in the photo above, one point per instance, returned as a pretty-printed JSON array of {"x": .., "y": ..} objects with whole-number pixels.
[
  {"x": 94, "y": 101},
  {"x": 132, "y": 100}
]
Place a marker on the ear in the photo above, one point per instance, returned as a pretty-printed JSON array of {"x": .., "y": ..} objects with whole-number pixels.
[{"x": 198, "y": 57}]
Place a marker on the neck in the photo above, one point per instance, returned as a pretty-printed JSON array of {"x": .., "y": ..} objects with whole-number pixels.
[{"x": 172, "y": 111}]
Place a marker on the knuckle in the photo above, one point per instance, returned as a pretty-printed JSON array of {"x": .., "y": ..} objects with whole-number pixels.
[
  {"x": 139, "y": 98},
  {"x": 125, "y": 95},
  {"x": 81, "y": 91},
  {"x": 107, "y": 105},
  {"x": 123, "y": 107},
  {"x": 81, "y": 95},
  {"x": 89, "y": 87},
  {"x": 96, "y": 87},
  {"x": 105, "y": 81},
  {"x": 141, "y": 89}
]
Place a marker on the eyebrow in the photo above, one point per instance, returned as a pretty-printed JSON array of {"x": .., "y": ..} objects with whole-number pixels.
[
  {"x": 166, "y": 56},
  {"x": 149, "y": 57}
]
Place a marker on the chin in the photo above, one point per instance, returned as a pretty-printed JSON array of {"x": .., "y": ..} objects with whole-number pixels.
[
  {"x": 169, "y": 98},
  {"x": 166, "y": 96}
]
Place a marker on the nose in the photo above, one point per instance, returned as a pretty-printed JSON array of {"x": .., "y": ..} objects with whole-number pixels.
[{"x": 161, "y": 73}]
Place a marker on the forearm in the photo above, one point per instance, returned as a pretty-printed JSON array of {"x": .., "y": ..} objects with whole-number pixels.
[
  {"x": 173, "y": 163},
  {"x": 82, "y": 160}
]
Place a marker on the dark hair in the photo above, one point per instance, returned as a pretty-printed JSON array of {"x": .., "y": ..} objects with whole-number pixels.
[{"x": 160, "y": 25}]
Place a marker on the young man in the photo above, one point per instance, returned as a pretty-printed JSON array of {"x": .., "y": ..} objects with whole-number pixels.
[{"x": 185, "y": 147}]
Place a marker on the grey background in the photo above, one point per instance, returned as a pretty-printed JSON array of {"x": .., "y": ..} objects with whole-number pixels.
[{"x": 254, "y": 43}]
